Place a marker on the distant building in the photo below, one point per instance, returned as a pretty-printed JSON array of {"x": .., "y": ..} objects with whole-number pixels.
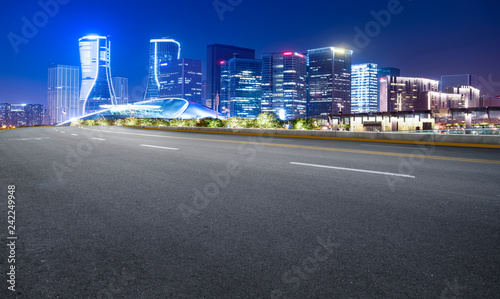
[
  {"x": 284, "y": 84},
  {"x": 405, "y": 93},
  {"x": 456, "y": 97},
  {"x": 35, "y": 114},
  {"x": 120, "y": 85},
  {"x": 241, "y": 87},
  {"x": 388, "y": 71},
  {"x": 182, "y": 79},
  {"x": 21, "y": 115},
  {"x": 97, "y": 87},
  {"x": 364, "y": 88},
  {"x": 329, "y": 80},
  {"x": 63, "y": 93},
  {"x": 160, "y": 51},
  {"x": 4, "y": 114},
  {"x": 451, "y": 81},
  {"x": 217, "y": 53}
]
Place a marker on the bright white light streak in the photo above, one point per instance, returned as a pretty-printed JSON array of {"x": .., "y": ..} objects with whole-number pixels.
[
  {"x": 354, "y": 169},
  {"x": 161, "y": 147}
]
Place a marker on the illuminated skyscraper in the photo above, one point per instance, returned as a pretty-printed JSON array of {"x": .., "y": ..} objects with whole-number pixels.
[
  {"x": 215, "y": 54},
  {"x": 241, "y": 87},
  {"x": 182, "y": 79},
  {"x": 97, "y": 88},
  {"x": 120, "y": 86},
  {"x": 284, "y": 89},
  {"x": 364, "y": 88},
  {"x": 329, "y": 79},
  {"x": 63, "y": 93},
  {"x": 160, "y": 51}
]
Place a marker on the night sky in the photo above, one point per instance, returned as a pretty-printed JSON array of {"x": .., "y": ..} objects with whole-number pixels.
[{"x": 426, "y": 39}]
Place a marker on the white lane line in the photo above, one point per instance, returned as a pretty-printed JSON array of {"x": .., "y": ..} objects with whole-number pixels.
[
  {"x": 405, "y": 147},
  {"x": 63, "y": 132},
  {"x": 74, "y": 134},
  {"x": 98, "y": 139},
  {"x": 353, "y": 169},
  {"x": 24, "y": 139},
  {"x": 162, "y": 147}
]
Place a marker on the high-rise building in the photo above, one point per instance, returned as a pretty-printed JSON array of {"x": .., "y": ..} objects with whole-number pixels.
[
  {"x": 4, "y": 114},
  {"x": 329, "y": 81},
  {"x": 160, "y": 51},
  {"x": 388, "y": 71},
  {"x": 217, "y": 53},
  {"x": 120, "y": 85},
  {"x": 405, "y": 93},
  {"x": 451, "y": 81},
  {"x": 241, "y": 87},
  {"x": 364, "y": 88},
  {"x": 97, "y": 87},
  {"x": 35, "y": 114},
  {"x": 63, "y": 93},
  {"x": 284, "y": 84},
  {"x": 182, "y": 79}
]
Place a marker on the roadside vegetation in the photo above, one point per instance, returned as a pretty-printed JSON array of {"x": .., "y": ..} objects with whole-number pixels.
[{"x": 263, "y": 121}]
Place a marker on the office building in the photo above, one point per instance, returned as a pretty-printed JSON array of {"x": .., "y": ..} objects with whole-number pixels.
[
  {"x": 388, "y": 71},
  {"x": 120, "y": 86},
  {"x": 405, "y": 93},
  {"x": 364, "y": 88},
  {"x": 160, "y": 51},
  {"x": 284, "y": 84},
  {"x": 241, "y": 87},
  {"x": 96, "y": 88},
  {"x": 35, "y": 114},
  {"x": 63, "y": 93},
  {"x": 329, "y": 81},
  {"x": 456, "y": 97},
  {"x": 182, "y": 79},
  {"x": 451, "y": 81},
  {"x": 217, "y": 53}
]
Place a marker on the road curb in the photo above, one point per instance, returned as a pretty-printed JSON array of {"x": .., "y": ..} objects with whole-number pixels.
[{"x": 422, "y": 139}]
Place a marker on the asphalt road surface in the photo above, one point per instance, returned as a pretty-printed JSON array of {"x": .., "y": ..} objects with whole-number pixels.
[{"x": 130, "y": 213}]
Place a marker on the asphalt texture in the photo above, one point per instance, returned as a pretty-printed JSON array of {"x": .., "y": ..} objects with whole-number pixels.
[{"x": 129, "y": 213}]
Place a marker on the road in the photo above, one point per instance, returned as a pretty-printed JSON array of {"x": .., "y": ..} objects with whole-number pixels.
[{"x": 129, "y": 213}]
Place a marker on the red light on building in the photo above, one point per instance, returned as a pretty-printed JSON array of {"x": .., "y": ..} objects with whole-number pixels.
[
  {"x": 287, "y": 53},
  {"x": 222, "y": 62}
]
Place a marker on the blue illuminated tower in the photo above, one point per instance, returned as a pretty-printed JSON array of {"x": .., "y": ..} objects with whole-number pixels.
[
  {"x": 160, "y": 51},
  {"x": 96, "y": 88},
  {"x": 364, "y": 86}
]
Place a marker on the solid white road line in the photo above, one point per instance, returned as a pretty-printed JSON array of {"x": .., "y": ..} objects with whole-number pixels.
[
  {"x": 98, "y": 138},
  {"x": 74, "y": 134},
  {"x": 353, "y": 169},
  {"x": 162, "y": 147}
]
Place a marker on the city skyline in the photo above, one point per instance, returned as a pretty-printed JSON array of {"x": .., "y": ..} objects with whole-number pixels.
[{"x": 429, "y": 54}]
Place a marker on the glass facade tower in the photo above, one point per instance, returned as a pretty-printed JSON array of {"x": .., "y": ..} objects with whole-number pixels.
[
  {"x": 284, "y": 84},
  {"x": 364, "y": 88},
  {"x": 241, "y": 87},
  {"x": 63, "y": 93},
  {"x": 182, "y": 79},
  {"x": 217, "y": 53},
  {"x": 120, "y": 86},
  {"x": 96, "y": 88},
  {"x": 329, "y": 78},
  {"x": 160, "y": 51}
]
